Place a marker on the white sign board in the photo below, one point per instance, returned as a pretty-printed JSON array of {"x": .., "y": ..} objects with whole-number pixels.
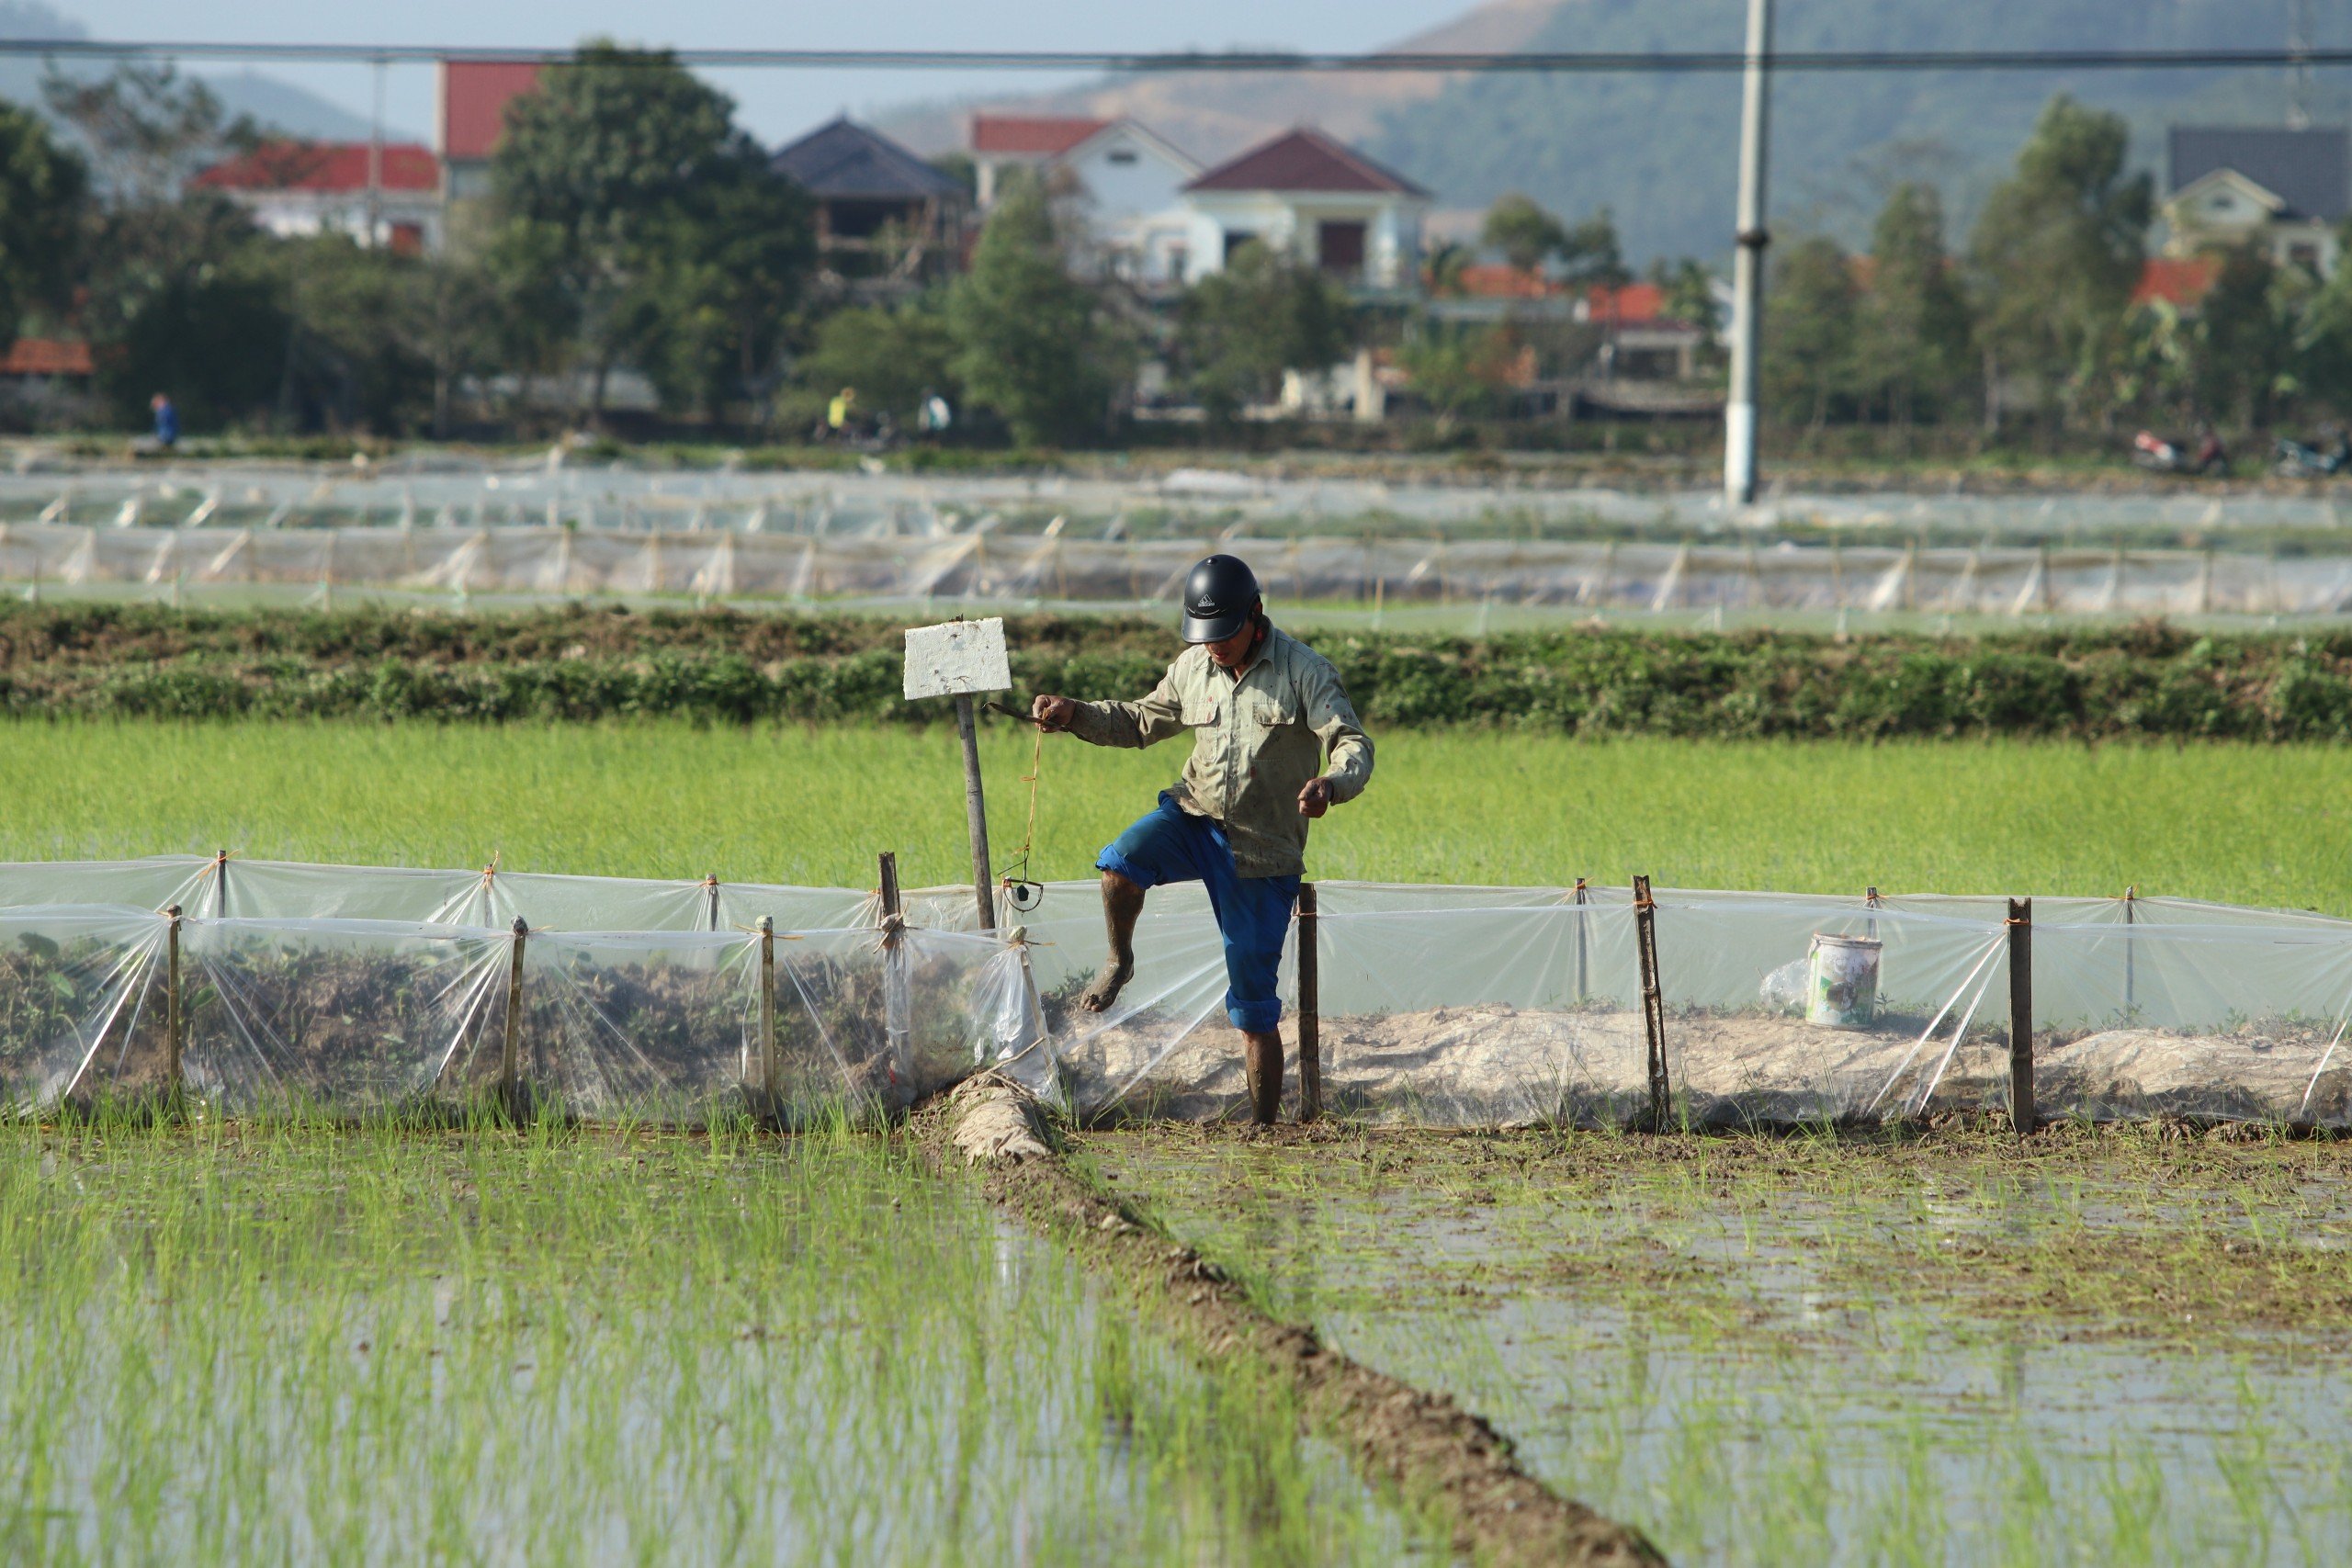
[{"x": 958, "y": 657}]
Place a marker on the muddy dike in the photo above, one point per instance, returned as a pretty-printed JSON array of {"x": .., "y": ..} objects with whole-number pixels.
[
  {"x": 1422, "y": 1446},
  {"x": 581, "y": 662}
]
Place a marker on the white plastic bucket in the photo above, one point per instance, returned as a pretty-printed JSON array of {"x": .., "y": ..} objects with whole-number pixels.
[{"x": 1841, "y": 983}]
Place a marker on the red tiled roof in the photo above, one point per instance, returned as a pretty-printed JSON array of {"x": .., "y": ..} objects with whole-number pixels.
[
  {"x": 1635, "y": 305},
  {"x": 474, "y": 96},
  {"x": 45, "y": 356},
  {"x": 2179, "y": 281},
  {"x": 1305, "y": 159},
  {"x": 1047, "y": 136},
  {"x": 1497, "y": 280},
  {"x": 325, "y": 166}
]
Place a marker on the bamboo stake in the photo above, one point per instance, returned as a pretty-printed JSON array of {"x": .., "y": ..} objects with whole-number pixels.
[
  {"x": 510, "y": 1052},
  {"x": 2130, "y": 957},
  {"x": 174, "y": 1024},
  {"x": 976, "y": 811},
  {"x": 1310, "y": 1019},
  {"x": 2021, "y": 1108},
  {"x": 1584, "y": 988},
  {"x": 1653, "y": 1001},
  {"x": 770, "y": 1070}
]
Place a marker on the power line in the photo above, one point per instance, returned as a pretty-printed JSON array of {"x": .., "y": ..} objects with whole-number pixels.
[{"x": 1674, "y": 62}]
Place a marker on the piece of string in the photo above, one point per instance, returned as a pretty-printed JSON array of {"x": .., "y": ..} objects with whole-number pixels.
[{"x": 1029, "y": 836}]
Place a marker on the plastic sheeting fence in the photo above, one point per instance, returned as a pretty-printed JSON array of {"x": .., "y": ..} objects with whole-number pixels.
[
  {"x": 357, "y": 991},
  {"x": 363, "y": 992},
  {"x": 1502, "y": 1005},
  {"x": 1007, "y": 568},
  {"x": 430, "y": 489}
]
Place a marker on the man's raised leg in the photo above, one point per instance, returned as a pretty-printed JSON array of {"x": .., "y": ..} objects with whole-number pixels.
[{"x": 1122, "y": 904}]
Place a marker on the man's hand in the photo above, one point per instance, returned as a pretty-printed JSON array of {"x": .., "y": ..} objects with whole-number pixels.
[
  {"x": 1054, "y": 713},
  {"x": 1315, "y": 798}
]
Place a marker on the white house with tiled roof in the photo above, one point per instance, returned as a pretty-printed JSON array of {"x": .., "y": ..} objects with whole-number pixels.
[
  {"x": 1316, "y": 198},
  {"x": 1123, "y": 183}
]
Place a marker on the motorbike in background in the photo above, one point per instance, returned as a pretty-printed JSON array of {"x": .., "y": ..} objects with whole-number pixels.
[
  {"x": 2157, "y": 455},
  {"x": 2298, "y": 461}
]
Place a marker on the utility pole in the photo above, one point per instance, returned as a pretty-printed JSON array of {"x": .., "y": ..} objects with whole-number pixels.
[
  {"x": 1748, "y": 266},
  {"x": 2299, "y": 73},
  {"x": 375, "y": 163}
]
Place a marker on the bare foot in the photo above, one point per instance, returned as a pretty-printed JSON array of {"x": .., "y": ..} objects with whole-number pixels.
[{"x": 1106, "y": 987}]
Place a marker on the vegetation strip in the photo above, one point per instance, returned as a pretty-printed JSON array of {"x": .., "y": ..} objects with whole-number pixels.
[
  {"x": 2141, "y": 681},
  {"x": 1423, "y": 1445}
]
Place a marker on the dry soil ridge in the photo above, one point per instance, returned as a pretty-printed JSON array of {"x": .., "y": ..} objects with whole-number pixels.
[{"x": 1422, "y": 1445}]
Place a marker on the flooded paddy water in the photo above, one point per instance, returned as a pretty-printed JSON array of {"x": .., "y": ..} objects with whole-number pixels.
[
  {"x": 279, "y": 1343},
  {"x": 2114, "y": 1347}
]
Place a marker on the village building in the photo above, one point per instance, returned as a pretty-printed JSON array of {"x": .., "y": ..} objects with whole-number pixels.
[
  {"x": 470, "y": 116},
  {"x": 876, "y": 208},
  {"x": 1121, "y": 185},
  {"x": 385, "y": 194},
  {"x": 2283, "y": 191},
  {"x": 1320, "y": 201}
]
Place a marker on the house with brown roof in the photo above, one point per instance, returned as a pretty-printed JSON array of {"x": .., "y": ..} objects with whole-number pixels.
[
  {"x": 1317, "y": 199},
  {"x": 379, "y": 193}
]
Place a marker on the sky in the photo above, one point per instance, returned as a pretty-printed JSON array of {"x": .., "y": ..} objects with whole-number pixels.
[{"x": 775, "y": 104}]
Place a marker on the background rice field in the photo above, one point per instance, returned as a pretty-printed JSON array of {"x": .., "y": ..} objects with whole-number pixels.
[{"x": 2268, "y": 825}]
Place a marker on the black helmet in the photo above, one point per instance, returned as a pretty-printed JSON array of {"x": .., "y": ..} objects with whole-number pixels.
[{"x": 1219, "y": 593}]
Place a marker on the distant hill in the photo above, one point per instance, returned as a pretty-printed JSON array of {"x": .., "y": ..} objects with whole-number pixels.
[
  {"x": 1660, "y": 150},
  {"x": 274, "y": 104}
]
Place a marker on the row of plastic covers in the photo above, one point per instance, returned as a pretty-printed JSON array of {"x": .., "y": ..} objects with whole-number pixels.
[
  {"x": 558, "y": 489},
  {"x": 359, "y": 990},
  {"x": 537, "y": 559},
  {"x": 1498, "y": 1006}
]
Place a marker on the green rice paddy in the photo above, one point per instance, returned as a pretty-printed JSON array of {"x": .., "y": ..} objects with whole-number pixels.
[
  {"x": 277, "y": 1342},
  {"x": 298, "y": 1346},
  {"x": 2268, "y": 825},
  {"x": 2111, "y": 1349}
]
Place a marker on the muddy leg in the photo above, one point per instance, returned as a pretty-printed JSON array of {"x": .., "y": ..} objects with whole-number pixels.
[
  {"x": 1261, "y": 1053},
  {"x": 1121, "y": 902}
]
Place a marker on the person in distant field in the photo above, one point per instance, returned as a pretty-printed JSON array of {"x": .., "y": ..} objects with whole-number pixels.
[
  {"x": 168, "y": 421},
  {"x": 1268, "y": 710},
  {"x": 838, "y": 411},
  {"x": 936, "y": 416}
]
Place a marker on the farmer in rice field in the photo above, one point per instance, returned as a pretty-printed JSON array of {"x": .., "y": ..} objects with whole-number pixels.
[{"x": 1268, "y": 710}]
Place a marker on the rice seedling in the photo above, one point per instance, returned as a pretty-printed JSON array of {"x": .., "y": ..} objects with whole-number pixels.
[
  {"x": 272, "y": 1341},
  {"x": 2258, "y": 825},
  {"x": 1803, "y": 1350}
]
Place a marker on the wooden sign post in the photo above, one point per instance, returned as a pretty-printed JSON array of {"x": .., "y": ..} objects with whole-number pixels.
[{"x": 960, "y": 659}]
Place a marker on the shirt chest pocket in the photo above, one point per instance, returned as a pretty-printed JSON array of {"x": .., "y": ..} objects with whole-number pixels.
[{"x": 1262, "y": 712}]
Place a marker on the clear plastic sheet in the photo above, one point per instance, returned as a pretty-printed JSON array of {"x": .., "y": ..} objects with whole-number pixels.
[
  {"x": 2165, "y": 1008},
  {"x": 334, "y": 1017},
  {"x": 375, "y": 990},
  {"x": 81, "y": 1005},
  {"x": 695, "y": 554}
]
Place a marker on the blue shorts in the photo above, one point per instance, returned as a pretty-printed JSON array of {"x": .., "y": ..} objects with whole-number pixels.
[{"x": 1171, "y": 844}]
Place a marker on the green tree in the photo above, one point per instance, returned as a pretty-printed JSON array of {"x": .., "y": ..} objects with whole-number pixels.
[
  {"x": 1918, "y": 351},
  {"x": 1809, "y": 365},
  {"x": 1265, "y": 313},
  {"x": 1031, "y": 343},
  {"x": 2056, "y": 252},
  {"x": 1520, "y": 227},
  {"x": 44, "y": 202},
  {"x": 2242, "y": 340},
  {"x": 179, "y": 293},
  {"x": 891, "y": 357},
  {"x": 361, "y": 351},
  {"x": 636, "y": 208},
  {"x": 2323, "y": 337},
  {"x": 1458, "y": 374},
  {"x": 1689, "y": 286}
]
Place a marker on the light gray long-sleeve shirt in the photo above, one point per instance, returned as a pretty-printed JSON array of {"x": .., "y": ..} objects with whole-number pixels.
[{"x": 1261, "y": 736}]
